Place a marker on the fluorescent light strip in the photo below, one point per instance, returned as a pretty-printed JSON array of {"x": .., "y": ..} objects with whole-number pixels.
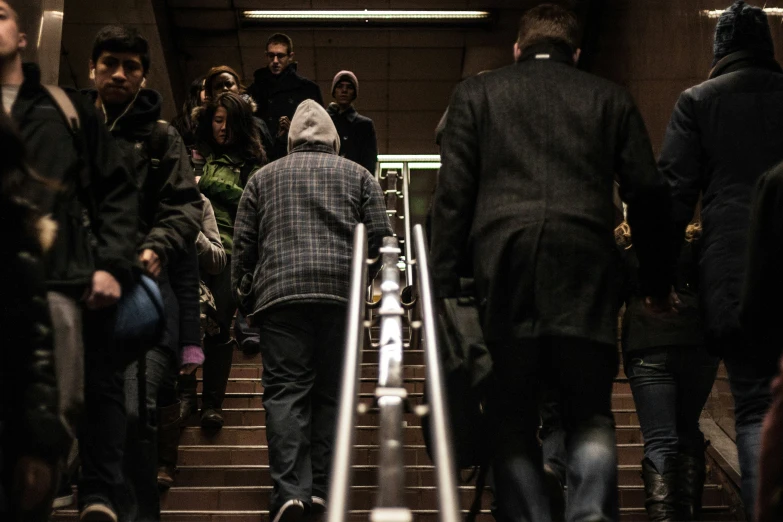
[
  {"x": 715, "y": 13},
  {"x": 409, "y": 157},
  {"x": 366, "y": 15}
]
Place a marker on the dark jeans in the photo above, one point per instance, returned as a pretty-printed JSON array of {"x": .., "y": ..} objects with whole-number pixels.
[
  {"x": 750, "y": 379},
  {"x": 670, "y": 386},
  {"x": 552, "y": 434},
  {"x": 583, "y": 372},
  {"x": 302, "y": 347},
  {"x": 102, "y": 431},
  {"x": 218, "y": 348},
  {"x": 141, "y": 456}
]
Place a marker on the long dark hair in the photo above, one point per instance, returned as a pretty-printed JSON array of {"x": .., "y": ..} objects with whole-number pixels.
[
  {"x": 243, "y": 135},
  {"x": 184, "y": 122}
]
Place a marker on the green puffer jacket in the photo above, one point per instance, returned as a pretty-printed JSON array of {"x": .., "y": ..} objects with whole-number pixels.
[{"x": 223, "y": 182}]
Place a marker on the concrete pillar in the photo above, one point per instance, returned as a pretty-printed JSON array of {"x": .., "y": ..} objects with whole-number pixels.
[
  {"x": 83, "y": 19},
  {"x": 42, "y": 21}
]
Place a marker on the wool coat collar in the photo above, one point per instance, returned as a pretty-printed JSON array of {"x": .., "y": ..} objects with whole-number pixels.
[{"x": 550, "y": 51}]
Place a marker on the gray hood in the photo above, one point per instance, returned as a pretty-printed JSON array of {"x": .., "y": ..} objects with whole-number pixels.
[{"x": 312, "y": 126}]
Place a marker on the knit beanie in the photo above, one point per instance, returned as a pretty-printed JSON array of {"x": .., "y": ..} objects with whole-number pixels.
[
  {"x": 742, "y": 27},
  {"x": 347, "y": 76}
]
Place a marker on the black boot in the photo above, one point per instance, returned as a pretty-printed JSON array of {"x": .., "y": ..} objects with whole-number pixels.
[
  {"x": 691, "y": 473},
  {"x": 188, "y": 401},
  {"x": 169, "y": 422},
  {"x": 660, "y": 490},
  {"x": 217, "y": 368}
]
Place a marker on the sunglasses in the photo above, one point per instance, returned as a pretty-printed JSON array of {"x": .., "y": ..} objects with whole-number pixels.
[{"x": 279, "y": 56}]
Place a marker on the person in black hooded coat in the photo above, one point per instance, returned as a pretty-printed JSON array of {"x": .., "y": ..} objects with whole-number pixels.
[
  {"x": 723, "y": 135},
  {"x": 170, "y": 210}
]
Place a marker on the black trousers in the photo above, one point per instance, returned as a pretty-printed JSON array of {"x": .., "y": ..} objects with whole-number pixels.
[{"x": 302, "y": 346}]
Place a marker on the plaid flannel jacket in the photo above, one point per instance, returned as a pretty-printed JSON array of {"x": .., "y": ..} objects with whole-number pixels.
[{"x": 293, "y": 235}]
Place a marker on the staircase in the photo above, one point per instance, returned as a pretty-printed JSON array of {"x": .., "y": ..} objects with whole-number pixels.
[{"x": 225, "y": 478}]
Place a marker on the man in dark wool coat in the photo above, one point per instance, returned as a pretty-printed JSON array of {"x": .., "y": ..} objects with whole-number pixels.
[
  {"x": 723, "y": 135},
  {"x": 524, "y": 204}
]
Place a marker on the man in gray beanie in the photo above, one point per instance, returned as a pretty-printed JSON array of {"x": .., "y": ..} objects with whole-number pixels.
[
  {"x": 357, "y": 133},
  {"x": 723, "y": 135}
]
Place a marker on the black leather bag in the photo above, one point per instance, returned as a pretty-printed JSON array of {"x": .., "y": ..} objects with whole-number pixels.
[{"x": 467, "y": 370}]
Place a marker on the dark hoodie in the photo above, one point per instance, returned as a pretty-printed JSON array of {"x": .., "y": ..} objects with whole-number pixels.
[
  {"x": 110, "y": 197},
  {"x": 278, "y": 96},
  {"x": 169, "y": 201}
]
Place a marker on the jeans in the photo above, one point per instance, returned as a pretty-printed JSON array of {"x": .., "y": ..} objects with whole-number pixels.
[
  {"x": 302, "y": 347},
  {"x": 551, "y": 433},
  {"x": 141, "y": 460},
  {"x": 750, "y": 378},
  {"x": 582, "y": 372},
  {"x": 670, "y": 386}
]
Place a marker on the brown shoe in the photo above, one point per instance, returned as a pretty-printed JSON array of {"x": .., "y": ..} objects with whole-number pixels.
[{"x": 166, "y": 477}]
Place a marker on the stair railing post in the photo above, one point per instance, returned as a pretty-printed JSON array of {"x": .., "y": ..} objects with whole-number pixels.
[
  {"x": 338, "y": 505},
  {"x": 390, "y": 392},
  {"x": 446, "y": 471}
]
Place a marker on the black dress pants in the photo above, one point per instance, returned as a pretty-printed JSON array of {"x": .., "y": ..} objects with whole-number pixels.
[{"x": 302, "y": 346}]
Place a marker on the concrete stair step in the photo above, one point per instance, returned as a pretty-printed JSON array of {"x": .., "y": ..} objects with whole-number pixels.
[
  {"x": 256, "y": 435},
  {"x": 255, "y": 417},
  {"x": 234, "y": 400},
  {"x": 367, "y": 385},
  {"x": 710, "y": 513},
  {"x": 256, "y": 498},
  {"x": 209, "y": 455}
]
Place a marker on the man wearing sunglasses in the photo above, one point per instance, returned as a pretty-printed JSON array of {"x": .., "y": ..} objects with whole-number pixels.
[{"x": 278, "y": 90}]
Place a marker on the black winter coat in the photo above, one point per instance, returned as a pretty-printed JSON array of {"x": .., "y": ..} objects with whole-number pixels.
[
  {"x": 530, "y": 154},
  {"x": 723, "y": 135},
  {"x": 761, "y": 312},
  {"x": 279, "y": 96},
  {"x": 169, "y": 201},
  {"x": 28, "y": 388},
  {"x": 357, "y": 136},
  {"x": 643, "y": 330},
  {"x": 111, "y": 196}
]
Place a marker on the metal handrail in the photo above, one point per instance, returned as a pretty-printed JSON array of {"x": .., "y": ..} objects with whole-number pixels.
[
  {"x": 390, "y": 392},
  {"x": 337, "y": 510},
  {"x": 406, "y": 210},
  {"x": 445, "y": 468}
]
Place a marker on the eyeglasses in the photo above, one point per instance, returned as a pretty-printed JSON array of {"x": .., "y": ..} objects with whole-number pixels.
[{"x": 279, "y": 56}]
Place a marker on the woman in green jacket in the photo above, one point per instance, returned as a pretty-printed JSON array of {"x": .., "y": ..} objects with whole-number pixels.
[{"x": 229, "y": 140}]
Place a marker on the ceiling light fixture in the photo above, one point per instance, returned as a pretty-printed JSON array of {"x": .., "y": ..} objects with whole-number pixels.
[
  {"x": 715, "y": 13},
  {"x": 367, "y": 17}
]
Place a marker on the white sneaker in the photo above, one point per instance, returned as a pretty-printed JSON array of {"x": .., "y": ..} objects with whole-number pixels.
[
  {"x": 317, "y": 509},
  {"x": 98, "y": 513},
  {"x": 291, "y": 511}
]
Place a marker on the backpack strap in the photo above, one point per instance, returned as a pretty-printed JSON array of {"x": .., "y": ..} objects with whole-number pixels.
[
  {"x": 65, "y": 106},
  {"x": 68, "y": 111},
  {"x": 158, "y": 143}
]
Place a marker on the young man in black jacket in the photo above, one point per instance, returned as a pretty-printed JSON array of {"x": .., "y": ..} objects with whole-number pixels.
[
  {"x": 89, "y": 265},
  {"x": 170, "y": 219},
  {"x": 524, "y": 203},
  {"x": 278, "y": 90},
  {"x": 723, "y": 135},
  {"x": 357, "y": 133}
]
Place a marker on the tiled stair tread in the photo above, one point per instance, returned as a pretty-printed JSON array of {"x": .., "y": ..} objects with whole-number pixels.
[{"x": 68, "y": 514}]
